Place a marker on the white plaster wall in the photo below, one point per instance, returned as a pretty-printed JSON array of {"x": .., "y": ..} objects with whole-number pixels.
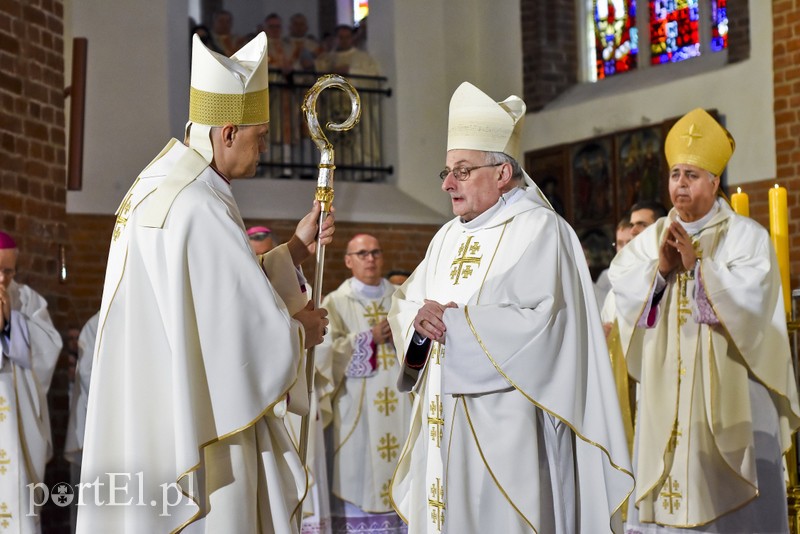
[{"x": 137, "y": 98}]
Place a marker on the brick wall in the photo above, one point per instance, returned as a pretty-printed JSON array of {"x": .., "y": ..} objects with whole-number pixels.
[
  {"x": 786, "y": 77},
  {"x": 549, "y": 50},
  {"x": 32, "y": 174},
  {"x": 738, "y": 30}
]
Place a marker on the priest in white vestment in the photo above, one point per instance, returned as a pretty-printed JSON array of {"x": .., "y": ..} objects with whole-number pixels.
[
  {"x": 370, "y": 416},
  {"x": 196, "y": 348},
  {"x": 516, "y": 426},
  {"x": 76, "y": 425},
  {"x": 30, "y": 348},
  {"x": 700, "y": 309}
]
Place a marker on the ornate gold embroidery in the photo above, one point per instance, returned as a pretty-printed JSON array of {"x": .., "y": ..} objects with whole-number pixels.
[
  {"x": 385, "y": 494},
  {"x": 436, "y": 421},
  {"x": 388, "y": 447},
  {"x": 5, "y": 515},
  {"x": 4, "y": 407},
  {"x": 691, "y": 135},
  {"x": 437, "y": 353},
  {"x": 386, "y": 358},
  {"x": 386, "y": 401},
  {"x": 673, "y": 440},
  {"x": 462, "y": 265},
  {"x": 672, "y": 497},
  {"x": 4, "y": 461},
  {"x": 684, "y": 306},
  {"x": 122, "y": 218},
  {"x": 375, "y": 313},
  {"x": 436, "y": 503}
]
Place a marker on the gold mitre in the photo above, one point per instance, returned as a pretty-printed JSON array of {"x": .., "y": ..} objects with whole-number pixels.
[
  {"x": 477, "y": 122},
  {"x": 697, "y": 139},
  {"x": 230, "y": 90}
]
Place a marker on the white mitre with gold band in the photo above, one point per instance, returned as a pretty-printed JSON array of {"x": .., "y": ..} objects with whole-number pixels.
[
  {"x": 226, "y": 90},
  {"x": 477, "y": 122}
]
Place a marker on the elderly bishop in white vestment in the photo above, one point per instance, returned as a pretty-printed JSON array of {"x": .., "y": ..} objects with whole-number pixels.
[
  {"x": 707, "y": 343},
  {"x": 516, "y": 427}
]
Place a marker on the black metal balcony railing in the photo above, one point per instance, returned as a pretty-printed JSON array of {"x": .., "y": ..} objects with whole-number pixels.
[{"x": 359, "y": 155}]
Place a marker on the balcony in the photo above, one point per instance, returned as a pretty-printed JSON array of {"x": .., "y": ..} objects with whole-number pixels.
[{"x": 359, "y": 154}]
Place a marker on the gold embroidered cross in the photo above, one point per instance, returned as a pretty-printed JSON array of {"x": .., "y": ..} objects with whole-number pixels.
[
  {"x": 386, "y": 358},
  {"x": 462, "y": 265},
  {"x": 436, "y": 502},
  {"x": 388, "y": 447},
  {"x": 122, "y": 218},
  {"x": 671, "y": 495},
  {"x": 4, "y": 515},
  {"x": 4, "y": 461},
  {"x": 4, "y": 407},
  {"x": 436, "y": 421},
  {"x": 386, "y": 401},
  {"x": 385, "y": 494},
  {"x": 691, "y": 135},
  {"x": 375, "y": 313},
  {"x": 437, "y": 353}
]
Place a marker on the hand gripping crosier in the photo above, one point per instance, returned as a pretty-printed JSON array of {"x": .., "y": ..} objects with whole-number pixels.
[{"x": 324, "y": 195}]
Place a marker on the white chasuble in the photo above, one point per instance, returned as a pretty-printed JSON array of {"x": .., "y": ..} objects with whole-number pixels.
[
  {"x": 195, "y": 354},
  {"x": 530, "y": 423},
  {"x": 370, "y": 416},
  {"x": 26, "y": 369},
  {"x": 718, "y": 400}
]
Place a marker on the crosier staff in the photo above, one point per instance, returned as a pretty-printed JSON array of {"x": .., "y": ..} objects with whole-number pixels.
[{"x": 324, "y": 195}]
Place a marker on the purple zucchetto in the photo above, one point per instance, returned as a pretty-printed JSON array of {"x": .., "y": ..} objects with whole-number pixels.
[{"x": 6, "y": 241}]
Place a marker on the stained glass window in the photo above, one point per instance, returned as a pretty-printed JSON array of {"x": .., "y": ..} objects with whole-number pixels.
[
  {"x": 616, "y": 40},
  {"x": 674, "y": 30},
  {"x": 719, "y": 25}
]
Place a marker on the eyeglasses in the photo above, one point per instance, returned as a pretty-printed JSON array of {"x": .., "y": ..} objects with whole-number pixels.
[
  {"x": 362, "y": 254},
  {"x": 259, "y": 237},
  {"x": 462, "y": 173},
  {"x": 8, "y": 273}
]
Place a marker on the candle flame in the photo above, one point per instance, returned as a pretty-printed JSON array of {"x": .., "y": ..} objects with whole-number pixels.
[
  {"x": 776, "y": 186},
  {"x": 738, "y": 189}
]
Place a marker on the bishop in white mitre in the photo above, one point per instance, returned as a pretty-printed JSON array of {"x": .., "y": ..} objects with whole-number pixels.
[
  {"x": 516, "y": 427},
  {"x": 196, "y": 349}
]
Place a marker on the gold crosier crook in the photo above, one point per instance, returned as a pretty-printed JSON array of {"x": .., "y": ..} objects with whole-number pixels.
[{"x": 324, "y": 195}]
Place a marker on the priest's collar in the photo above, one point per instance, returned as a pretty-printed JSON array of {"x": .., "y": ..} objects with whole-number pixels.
[
  {"x": 694, "y": 228},
  {"x": 367, "y": 291},
  {"x": 506, "y": 199}
]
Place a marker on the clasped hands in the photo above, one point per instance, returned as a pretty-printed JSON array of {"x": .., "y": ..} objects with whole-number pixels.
[
  {"x": 429, "y": 321},
  {"x": 381, "y": 332},
  {"x": 676, "y": 251}
]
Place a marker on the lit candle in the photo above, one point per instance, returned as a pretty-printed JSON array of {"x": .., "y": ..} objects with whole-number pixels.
[
  {"x": 740, "y": 203},
  {"x": 779, "y": 231}
]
